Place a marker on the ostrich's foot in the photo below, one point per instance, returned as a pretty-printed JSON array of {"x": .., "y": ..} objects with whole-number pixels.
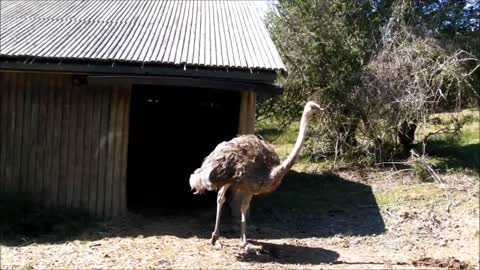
[
  {"x": 243, "y": 243},
  {"x": 214, "y": 239}
]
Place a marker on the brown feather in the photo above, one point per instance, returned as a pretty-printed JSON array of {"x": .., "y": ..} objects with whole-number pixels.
[{"x": 245, "y": 162}]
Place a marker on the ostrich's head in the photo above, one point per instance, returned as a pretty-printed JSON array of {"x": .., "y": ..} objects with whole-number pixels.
[
  {"x": 199, "y": 181},
  {"x": 312, "y": 107},
  {"x": 195, "y": 181}
]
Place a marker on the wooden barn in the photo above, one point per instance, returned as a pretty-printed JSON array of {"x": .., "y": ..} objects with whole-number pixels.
[{"x": 110, "y": 105}]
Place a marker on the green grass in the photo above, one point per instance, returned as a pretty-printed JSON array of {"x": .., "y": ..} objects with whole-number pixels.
[
  {"x": 413, "y": 195},
  {"x": 283, "y": 149},
  {"x": 470, "y": 132},
  {"x": 23, "y": 218},
  {"x": 384, "y": 198},
  {"x": 460, "y": 151},
  {"x": 269, "y": 129},
  {"x": 282, "y": 140}
]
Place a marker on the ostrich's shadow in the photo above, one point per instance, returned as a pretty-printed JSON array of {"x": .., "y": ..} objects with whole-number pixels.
[{"x": 287, "y": 254}]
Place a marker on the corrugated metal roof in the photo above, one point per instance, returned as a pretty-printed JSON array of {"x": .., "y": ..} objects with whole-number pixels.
[{"x": 205, "y": 33}]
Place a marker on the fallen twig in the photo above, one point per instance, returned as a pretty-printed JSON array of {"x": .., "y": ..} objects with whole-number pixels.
[
  {"x": 390, "y": 214},
  {"x": 433, "y": 173},
  {"x": 399, "y": 171},
  {"x": 449, "y": 205}
]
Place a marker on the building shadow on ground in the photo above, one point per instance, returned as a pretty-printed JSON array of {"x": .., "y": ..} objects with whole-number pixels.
[
  {"x": 305, "y": 205},
  {"x": 311, "y": 205}
]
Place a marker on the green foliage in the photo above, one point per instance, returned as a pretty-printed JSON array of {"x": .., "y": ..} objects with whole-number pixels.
[
  {"x": 324, "y": 44},
  {"x": 21, "y": 217},
  {"x": 378, "y": 68}
]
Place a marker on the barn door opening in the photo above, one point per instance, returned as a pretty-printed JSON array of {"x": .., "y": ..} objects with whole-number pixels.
[{"x": 172, "y": 129}]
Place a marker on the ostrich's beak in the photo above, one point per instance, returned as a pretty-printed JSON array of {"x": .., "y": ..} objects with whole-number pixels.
[
  {"x": 318, "y": 108},
  {"x": 314, "y": 106}
]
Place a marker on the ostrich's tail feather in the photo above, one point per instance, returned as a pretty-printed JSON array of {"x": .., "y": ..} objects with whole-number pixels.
[{"x": 200, "y": 181}]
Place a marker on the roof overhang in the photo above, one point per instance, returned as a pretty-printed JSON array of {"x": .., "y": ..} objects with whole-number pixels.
[
  {"x": 103, "y": 72},
  {"x": 220, "y": 84}
]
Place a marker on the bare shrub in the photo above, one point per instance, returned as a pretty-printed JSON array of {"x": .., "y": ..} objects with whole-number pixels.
[{"x": 410, "y": 79}]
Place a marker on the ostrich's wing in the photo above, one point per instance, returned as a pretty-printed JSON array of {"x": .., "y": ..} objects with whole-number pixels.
[{"x": 243, "y": 157}]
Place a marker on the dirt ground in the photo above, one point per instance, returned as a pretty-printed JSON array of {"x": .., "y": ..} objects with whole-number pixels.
[{"x": 352, "y": 220}]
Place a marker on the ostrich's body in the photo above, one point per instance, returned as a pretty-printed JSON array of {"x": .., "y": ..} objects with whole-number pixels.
[
  {"x": 245, "y": 163},
  {"x": 248, "y": 164}
]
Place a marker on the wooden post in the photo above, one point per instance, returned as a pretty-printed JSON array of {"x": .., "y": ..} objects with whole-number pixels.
[{"x": 246, "y": 125}]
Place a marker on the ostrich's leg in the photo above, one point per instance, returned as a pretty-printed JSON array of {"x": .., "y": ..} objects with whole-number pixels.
[
  {"x": 220, "y": 201},
  {"x": 243, "y": 228}
]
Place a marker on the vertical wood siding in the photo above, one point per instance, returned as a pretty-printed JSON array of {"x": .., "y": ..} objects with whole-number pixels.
[{"x": 64, "y": 144}]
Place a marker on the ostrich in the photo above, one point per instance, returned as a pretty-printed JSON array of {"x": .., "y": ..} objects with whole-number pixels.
[{"x": 247, "y": 164}]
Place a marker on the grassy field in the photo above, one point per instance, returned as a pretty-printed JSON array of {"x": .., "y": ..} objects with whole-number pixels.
[{"x": 462, "y": 151}]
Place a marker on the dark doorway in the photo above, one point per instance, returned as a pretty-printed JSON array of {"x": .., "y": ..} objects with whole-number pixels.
[{"x": 172, "y": 129}]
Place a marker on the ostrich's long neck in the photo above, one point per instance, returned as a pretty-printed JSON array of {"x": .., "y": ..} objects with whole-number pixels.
[{"x": 281, "y": 170}]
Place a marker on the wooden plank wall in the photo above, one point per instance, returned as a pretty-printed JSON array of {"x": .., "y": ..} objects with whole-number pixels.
[{"x": 64, "y": 143}]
